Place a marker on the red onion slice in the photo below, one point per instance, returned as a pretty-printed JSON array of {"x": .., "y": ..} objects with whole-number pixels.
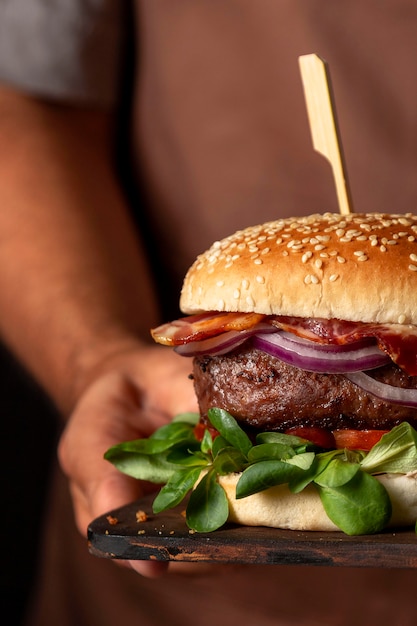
[
  {"x": 395, "y": 395},
  {"x": 223, "y": 343},
  {"x": 323, "y": 358}
]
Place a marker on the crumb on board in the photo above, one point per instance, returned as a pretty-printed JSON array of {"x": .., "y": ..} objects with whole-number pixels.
[
  {"x": 141, "y": 516},
  {"x": 141, "y": 532},
  {"x": 112, "y": 520}
]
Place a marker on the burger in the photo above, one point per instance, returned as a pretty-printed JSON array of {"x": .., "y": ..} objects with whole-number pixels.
[{"x": 302, "y": 338}]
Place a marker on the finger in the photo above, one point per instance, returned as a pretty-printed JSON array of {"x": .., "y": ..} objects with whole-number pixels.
[{"x": 150, "y": 569}]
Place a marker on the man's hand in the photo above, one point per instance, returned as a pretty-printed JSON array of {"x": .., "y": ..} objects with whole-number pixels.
[{"x": 134, "y": 393}]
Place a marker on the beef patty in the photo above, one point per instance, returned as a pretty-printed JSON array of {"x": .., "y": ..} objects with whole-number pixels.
[{"x": 263, "y": 393}]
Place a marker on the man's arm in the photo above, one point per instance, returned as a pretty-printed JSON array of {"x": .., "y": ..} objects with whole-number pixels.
[
  {"x": 73, "y": 281},
  {"x": 76, "y": 299}
]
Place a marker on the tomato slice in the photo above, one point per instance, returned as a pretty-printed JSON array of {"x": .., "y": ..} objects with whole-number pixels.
[
  {"x": 357, "y": 439},
  {"x": 200, "y": 429},
  {"x": 319, "y": 436}
]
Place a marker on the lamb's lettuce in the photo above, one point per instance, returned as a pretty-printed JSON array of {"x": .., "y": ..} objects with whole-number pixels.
[{"x": 351, "y": 496}]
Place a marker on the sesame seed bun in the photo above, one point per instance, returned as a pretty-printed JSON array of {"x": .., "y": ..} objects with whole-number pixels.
[
  {"x": 359, "y": 267},
  {"x": 277, "y": 507}
]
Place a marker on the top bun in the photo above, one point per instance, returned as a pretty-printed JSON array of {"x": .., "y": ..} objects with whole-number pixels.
[{"x": 357, "y": 267}]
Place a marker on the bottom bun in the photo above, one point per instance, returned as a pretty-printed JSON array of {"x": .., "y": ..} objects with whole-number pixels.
[{"x": 277, "y": 507}]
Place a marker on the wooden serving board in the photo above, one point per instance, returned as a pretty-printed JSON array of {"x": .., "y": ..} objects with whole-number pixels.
[{"x": 166, "y": 537}]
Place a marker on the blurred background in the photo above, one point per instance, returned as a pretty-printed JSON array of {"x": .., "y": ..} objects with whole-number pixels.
[{"x": 29, "y": 429}]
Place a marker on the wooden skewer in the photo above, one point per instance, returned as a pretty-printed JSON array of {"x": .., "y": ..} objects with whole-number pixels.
[{"x": 323, "y": 123}]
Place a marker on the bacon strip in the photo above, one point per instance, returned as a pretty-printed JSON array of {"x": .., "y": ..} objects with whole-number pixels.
[
  {"x": 202, "y": 326},
  {"x": 398, "y": 341}
]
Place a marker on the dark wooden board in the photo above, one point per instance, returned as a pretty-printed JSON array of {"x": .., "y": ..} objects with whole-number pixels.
[{"x": 166, "y": 537}]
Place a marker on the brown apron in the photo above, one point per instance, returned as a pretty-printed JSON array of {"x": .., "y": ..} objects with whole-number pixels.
[{"x": 221, "y": 142}]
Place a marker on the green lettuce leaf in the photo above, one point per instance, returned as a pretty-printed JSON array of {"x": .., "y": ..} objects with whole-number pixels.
[{"x": 352, "y": 498}]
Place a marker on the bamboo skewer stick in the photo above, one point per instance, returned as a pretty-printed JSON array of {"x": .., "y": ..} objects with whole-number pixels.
[{"x": 323, "y": 123}]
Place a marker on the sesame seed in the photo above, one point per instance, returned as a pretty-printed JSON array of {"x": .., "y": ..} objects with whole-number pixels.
[
  {"x": 220, "y": 305},
  {"x": 314, "y": 279},
  {"x": 333, "y": 277},
  {"x": 220, "y": 283},
  {"x": 236, "y": 294},
  {"x": 318, "y": 263},
  {"x": 245, "y": 283},
  {"x": 401, "y": 319},
  {"x": 359, "y": 253},
  {"x": 374, "y": 242},
  {"x": 319, "y": 247},
  {"x": 364, "y": 257},
  {"x": 382, "y": 248},
  {"x": 341, "y": 259},
  {"x": 250, "y": 301},
  {"x": 260, "y": 280},
  {"x": 307, "y": 279},
  {"x": 306, "y": 256},
  {"x": 413, "y": 257},
  {"x": 413, "y": 268}
]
